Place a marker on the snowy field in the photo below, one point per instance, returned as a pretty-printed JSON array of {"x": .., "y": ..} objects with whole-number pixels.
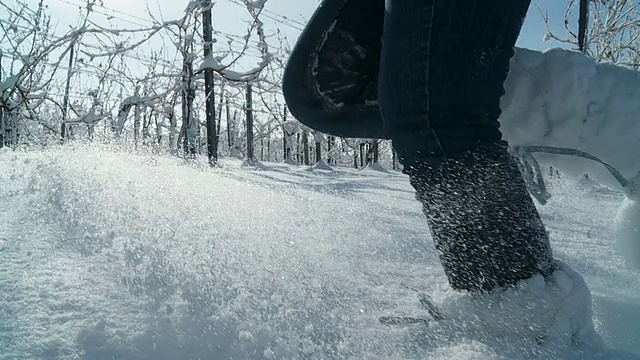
[{"x": 107, "y": 255}]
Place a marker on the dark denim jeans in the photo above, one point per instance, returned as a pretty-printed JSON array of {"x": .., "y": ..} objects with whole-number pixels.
[
  {"x": 442, "y": 71},
  {"x": 331, "y": 79}
]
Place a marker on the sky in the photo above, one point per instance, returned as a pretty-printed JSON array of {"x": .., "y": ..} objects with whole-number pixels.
[
  {"x": 285, "y": 16},
  {"x": 229, "y": 16},
  {"x": 534, "y": 28}
]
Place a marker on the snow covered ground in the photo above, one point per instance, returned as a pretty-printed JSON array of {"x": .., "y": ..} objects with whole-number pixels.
[{"x": 107, "y": 255}]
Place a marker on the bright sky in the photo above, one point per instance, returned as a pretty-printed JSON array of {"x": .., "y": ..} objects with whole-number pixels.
[
  {"x": 229, "y": 15},
  {"x": 533, "y": 29}
]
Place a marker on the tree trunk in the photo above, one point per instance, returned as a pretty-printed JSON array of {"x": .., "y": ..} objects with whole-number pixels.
[
  {"x": 298, "y": 160},
  {"x": 158, "y": 130},
  {"x": 305, "y": 144},
  {"x": 249, "y": 110},
  {"x": 367, "y": 152},
  {"x": 284, "y": 144},
  {"x": 234, "y": 133},
  {"x": 146, "y": 122},
  {"x": 137, "y": 114},
  {"x": 65, "y": 101},
  {"x": 2, "y": 128},
  {"x": 171, "y": 116},
  {"x": 261, "y": 149},
  {"x": 583, "y": 21},
  {"x": 220, "y": 114},
  {"x": 375, "y": 150},
  {"x": 394, "y": 159},
  {"x": 172, "y": 129},
  {"x": 286, "y": 138},
  {"x": 210, "y": 101},
  {"x": 188, "y": 95},
  {"x": 269, "y": 148},
  {"x": 317, "y": 137},
  {"x": 12, "y": 130},
  {"x": 228, "y": 125}
]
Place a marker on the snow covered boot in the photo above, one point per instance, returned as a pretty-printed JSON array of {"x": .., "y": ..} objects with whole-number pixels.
[{"x": 484, "y": 223}]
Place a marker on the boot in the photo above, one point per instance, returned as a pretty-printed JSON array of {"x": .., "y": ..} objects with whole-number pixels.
[{"x": 484, "y": 223}]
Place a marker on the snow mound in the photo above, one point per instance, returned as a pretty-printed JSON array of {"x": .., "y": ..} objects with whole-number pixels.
[
  {"x": 564, "y": 99},
  {"x": 290, "y": 162},
  {"x": 252, "y": 164},
  {"x": 552, "y": 312},
  {"x": 196, "y": 164},
  {"x": 321, "y": 165},
  {"x": 375, "y": 167}
]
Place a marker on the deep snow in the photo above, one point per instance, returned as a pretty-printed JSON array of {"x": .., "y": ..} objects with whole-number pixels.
[{"x": 111, "y": 255}]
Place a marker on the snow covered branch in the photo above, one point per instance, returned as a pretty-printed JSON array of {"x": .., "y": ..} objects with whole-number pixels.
[
  {"x": 211, "y": 62},
  {"x": 614, "y": 31}
]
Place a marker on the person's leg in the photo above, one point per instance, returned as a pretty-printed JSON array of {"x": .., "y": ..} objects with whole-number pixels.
[{"x": 443, "y": 66}]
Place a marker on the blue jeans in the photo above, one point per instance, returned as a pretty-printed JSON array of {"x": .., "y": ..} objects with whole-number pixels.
[{"x": 442, "y": 71}]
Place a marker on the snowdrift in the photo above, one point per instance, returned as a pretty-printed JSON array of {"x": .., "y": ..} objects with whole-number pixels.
[
  {"x": 321, "y": 165},
  {"x": 375, "y": 167},
  {"x": 562, "y": 98}
]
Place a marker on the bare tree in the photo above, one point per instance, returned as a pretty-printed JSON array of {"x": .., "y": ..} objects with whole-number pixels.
[
  {"x": 28, "y": 73},
  {"x": 614, "y": 33},
  {"x": 25, "y": 72}
]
